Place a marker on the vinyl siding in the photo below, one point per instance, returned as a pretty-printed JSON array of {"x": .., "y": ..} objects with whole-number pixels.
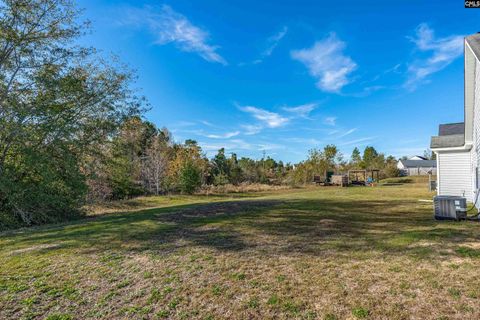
[
  {"x": 475, "y": 159},
  {"x": 455, "y": 176}
]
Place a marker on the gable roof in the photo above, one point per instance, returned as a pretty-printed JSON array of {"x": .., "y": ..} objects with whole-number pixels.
[
  {"x": 450, "y": 141},
  {"x": 419, "y": 163},
  {"x": 451, "y": 128},
  {"x": 419, "y": 158},
  {"x": 449, "y": 135}
]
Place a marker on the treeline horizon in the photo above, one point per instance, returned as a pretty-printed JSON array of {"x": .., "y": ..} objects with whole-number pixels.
[{"x": 142, "y": 159}]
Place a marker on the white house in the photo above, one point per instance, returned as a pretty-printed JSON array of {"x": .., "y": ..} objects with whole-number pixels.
[
  {"x": 458, "y": 144},
  {"x": 417, "y": 167}
]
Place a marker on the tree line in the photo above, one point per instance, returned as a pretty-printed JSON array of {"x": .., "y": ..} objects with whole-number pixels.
[
  {"x": 72, "y": 132},
  {"x": 142, "y": 159}
]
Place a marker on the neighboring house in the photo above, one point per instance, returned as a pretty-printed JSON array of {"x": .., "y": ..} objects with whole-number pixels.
[
  {"x": 414, "y": 167},
  {"x": 458, "y": 144},
  {"x": 418, "y": 158}
]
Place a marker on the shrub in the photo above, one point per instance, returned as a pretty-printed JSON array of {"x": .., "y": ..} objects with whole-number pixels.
[
  {"x": 190, "y": 178},
  {"x": 220, "y": 179},
  {"x": 34, "y": 189},
  {"x": 397, "y": 180},
  {"x": 391, "y": 171}
]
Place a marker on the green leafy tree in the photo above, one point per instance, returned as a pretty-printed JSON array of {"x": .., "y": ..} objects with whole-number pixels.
[
  {"x": 59, "y": 104},
  {"x": 369, "y": 157},
  {"x": 190, "y": 178},
  {"x": 235, "y": 172},
  {"x": 356, "y": 157},
  {"x": 220, "y": 168}
]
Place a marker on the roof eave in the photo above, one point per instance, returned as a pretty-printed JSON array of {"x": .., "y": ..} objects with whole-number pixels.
[{"x": 465, "y": 147}]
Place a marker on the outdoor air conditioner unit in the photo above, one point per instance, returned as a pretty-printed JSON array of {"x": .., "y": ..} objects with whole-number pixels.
[{"x": 450, "y": 207}]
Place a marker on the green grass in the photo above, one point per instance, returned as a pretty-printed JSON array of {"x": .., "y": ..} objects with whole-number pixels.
[
  {"x": 397, "y": 180},
  {"x": 314, "y": 253}
]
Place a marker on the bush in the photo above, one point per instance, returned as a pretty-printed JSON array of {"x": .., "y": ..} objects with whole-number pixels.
[
  {"x": 220, "y": 180},
  {"x": 241, "y": 188},
  {"x": 397, "y": 180},
  {"x": 190, "y": 178},
  {"x": 41, "y": 187},
  {"x": 391, "y": 171}
]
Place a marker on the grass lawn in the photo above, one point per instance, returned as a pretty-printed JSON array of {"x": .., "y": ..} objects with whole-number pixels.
[{"x": 315, "y": 253}]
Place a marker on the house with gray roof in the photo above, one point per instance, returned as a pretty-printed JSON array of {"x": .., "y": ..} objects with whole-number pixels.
[
  {"x": 457, "y": 145},
  {"x": 417, "y": 167}
]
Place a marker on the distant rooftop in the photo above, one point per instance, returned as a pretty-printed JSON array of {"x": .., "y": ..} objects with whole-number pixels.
[
  {"x": 419, "y": 163},
  {"x": 451, "y": 128}
]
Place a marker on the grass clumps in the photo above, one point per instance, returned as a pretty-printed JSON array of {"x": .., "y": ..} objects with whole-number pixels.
[
  {"x": 397, "y": 180},
  {"x": 468, "y": 252},
  {"x": 59, "y": 316},
  {"x": 360, "y": 313}
]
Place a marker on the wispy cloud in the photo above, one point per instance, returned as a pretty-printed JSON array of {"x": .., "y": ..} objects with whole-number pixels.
[
  {"x": 250, "y": 129},
  {"x": 327, "y": 63},
  {"x": 234, "y": 145},
  {"x": 356, "y": 141},
  {"x": 208, "y": 124},
  {"x": 273, "y": 42},
  {"x": 309, "y": 141},
  {"x": 302, "y": 110},
  {"x": 270, "y": 119},
  {"x": 169, "y": 26},
  {"x": 226, "y": 135},
  {"x": 441, "y": 52},
  {"x": 331, "y": 121},
  {"x": 346, "y": 133},
  {"x": 183, "y": 124}
]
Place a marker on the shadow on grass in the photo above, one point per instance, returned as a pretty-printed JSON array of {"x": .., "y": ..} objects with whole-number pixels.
[{"x": 279, "y": 227}]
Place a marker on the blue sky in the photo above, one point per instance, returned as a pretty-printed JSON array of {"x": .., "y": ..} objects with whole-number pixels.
[{"x": 288, "y": 76}]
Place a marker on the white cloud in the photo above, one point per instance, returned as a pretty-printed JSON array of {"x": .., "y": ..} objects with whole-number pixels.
[
  {"x": 273, "y": 42},
  {"x": 251, "y": 129},
  {"x": 235, "y": 145},
  {"x": 331, "y": 121},
  {"x": 302, "y": 110},
  {"x": 223, "y": 136},
  {"x": 169, "y": 26},
  {"x": 310, "y": 141},
  {"x": 442, "y": 51},
  {"x": 346, "y": 133},
  {"x": 182, "y": 124},
  {"x": 270, "y": 119},
  {"x": 327, "y": 63},
  {"x": 208, "y": 124},
  {"x": 356, "y": 141},
  {"x": 332, "y": 132}
]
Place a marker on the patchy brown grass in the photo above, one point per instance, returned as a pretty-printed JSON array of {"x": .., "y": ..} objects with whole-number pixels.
[
  {"x": 242, "y": 188},
  {"x": 315, "y": 253}
]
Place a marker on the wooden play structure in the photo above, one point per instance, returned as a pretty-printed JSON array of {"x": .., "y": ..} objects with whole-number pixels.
[
  {"x": 363, "y": 177},
  {"x": 325, "y": 179},
  {"x": 340, "y": 180}
]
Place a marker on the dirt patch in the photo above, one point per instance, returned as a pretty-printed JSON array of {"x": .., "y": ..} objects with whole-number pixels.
[
  {"x": 36, "y": 248},
  {"x": 216, "y": 209}
]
